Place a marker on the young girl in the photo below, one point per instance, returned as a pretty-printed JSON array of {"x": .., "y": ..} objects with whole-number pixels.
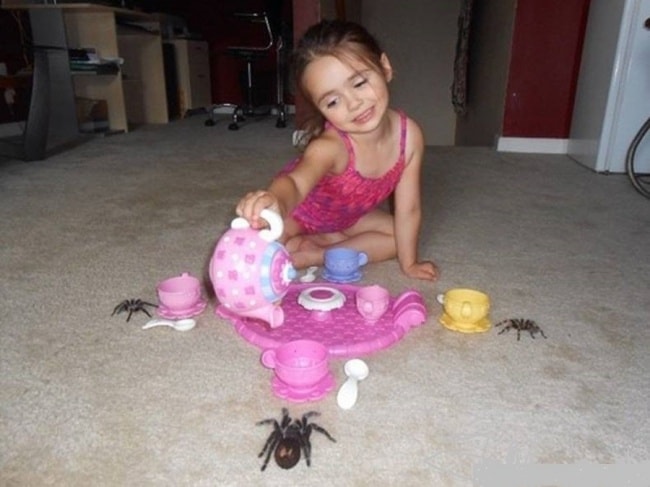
[{"x": 359, "y": 152}]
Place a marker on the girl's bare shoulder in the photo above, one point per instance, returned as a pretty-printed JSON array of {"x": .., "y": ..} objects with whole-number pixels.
[
  {"x": 327, "y": 149},
  {"x": 414, "y": 140}
]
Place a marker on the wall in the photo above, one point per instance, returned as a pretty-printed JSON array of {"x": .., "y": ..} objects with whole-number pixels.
[
  {"x": 490, "y": 41},
  {"x": 306, "y": 13},
  {"x": 217, "y": 24},
  {"x": 524, "y": 63},
  {"x": 545, "y": 60},
  {"x": 419, "y": 37}
]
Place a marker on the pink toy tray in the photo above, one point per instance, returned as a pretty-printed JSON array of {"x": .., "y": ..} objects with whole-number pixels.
[{"x": 344, "y": 331}]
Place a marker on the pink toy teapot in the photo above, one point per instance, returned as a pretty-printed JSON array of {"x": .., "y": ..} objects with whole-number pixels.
[{"x": 250, "y": 271}]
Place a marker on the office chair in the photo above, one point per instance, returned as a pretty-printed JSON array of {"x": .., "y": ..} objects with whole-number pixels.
[{"x": 250, "y": 54}]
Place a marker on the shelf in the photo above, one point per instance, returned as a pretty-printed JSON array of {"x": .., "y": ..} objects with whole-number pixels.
[
  {"x": 94, "y": 69},
  {"x": 91, "y": 73},
  {"x": 113, "y": 33}
]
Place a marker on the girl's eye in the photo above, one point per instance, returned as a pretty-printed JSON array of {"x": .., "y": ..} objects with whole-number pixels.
[
  {"x": 360, "y": 82},
  {"x": 331, "y": 103}
]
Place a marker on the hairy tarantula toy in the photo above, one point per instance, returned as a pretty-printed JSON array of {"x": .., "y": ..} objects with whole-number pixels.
[
  {"x": 288, "y": 438},
  {"x": 521, "y": 324},
  {"x": 132, "y": 306}
]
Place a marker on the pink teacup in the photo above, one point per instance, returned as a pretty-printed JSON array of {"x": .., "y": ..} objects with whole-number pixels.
[
  {"x": 179, "y": 293},
  {"x": 299, "y": 364},
  {"x": 372, "y": 302}
]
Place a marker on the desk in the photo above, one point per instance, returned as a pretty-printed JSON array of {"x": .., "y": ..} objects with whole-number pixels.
[
  {"x": 192, "y": 74},
  {"x": 136, "y": 94}
]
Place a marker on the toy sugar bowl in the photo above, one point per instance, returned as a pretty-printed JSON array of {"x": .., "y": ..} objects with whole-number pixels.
[{"x": 251, "y": 271}]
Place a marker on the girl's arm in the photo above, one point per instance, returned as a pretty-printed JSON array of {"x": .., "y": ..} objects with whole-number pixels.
[
  {"x": 408, "y": 211},
  {"x": 288, "y": 190}
]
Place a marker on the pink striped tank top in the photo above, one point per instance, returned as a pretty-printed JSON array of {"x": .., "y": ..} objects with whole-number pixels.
[{"x": 338, "y": 201}]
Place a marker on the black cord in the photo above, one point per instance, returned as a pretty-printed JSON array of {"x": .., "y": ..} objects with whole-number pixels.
[{"x": 641, "y": 182}]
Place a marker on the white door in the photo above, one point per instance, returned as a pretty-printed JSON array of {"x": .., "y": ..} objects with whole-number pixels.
[{"x": 613, "y": 93}]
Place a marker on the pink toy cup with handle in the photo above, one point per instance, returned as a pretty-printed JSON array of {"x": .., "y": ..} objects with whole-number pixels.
[
  {"x": 180, "y": 292},
  {"x": 372, "y": 302},
  {"x": 299, "y": 364}
]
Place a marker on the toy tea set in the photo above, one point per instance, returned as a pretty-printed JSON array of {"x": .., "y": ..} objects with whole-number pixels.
[{"x": 299, "y": 327}]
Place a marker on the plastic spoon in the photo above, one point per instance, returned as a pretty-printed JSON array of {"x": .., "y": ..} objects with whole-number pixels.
[
  {"x": 180, "y": 325},
  {"x": 356, "y": 370},
  {"x": 310, "y": 275}
]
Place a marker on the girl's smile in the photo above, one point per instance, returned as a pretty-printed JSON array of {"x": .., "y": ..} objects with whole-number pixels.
[{"x": 365, "y": 116}]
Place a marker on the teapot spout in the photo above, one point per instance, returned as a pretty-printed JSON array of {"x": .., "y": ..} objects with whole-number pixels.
[{"x": 273, "y": 314}]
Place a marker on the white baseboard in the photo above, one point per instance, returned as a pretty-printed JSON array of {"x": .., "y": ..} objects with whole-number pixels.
[{"x": 533, "y": 144}]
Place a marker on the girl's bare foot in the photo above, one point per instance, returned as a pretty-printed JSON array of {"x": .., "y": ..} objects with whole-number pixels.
[
  {"x": 302, "y": 259},
  {"x": 302, "y": 242},
  {"x": 309, "y": 250}
]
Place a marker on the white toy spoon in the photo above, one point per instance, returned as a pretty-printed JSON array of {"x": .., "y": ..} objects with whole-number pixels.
[
  {"x": 310, "y": 275},
  {"x": 180, "y": 325},
  {"x": 356, "y": 370}
]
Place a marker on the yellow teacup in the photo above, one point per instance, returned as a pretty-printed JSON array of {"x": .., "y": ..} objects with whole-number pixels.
[{"x": 465, "y": 310}]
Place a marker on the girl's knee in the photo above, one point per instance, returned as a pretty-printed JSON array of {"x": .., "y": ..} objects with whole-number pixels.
[{"x": 376, "y": 221}]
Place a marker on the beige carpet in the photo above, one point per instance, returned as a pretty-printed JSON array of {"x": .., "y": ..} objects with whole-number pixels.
[{"x": 89, "y": 399}]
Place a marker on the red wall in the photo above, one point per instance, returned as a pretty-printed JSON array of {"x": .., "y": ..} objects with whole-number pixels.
[
  {"x": 544, "y": 65},
  {"x": 217, "y": 24}
]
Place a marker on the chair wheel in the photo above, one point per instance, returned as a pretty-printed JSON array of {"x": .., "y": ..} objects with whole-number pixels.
[
  {"x": 233, "y": 126},
  {"x": 209, "y": 123}
]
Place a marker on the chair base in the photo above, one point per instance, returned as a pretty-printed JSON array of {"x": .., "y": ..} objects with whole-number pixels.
[{"x": 240, "y": 113}]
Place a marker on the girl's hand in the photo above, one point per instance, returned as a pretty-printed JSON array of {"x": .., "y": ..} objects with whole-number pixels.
[
  {"x": 251, "y": 205},
  {"x": 422, "y": 270}
]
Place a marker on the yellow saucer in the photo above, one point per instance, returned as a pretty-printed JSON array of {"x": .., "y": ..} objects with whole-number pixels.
[{"x": 477, "y": 327}]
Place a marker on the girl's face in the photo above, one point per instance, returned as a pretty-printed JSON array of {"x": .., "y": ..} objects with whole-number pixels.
[{"x": 350, "y": 95}]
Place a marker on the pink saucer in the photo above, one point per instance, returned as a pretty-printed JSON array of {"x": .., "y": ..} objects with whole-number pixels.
[
  {"x": 293, "y": 394},
  {"x": 174, "y": 314}
]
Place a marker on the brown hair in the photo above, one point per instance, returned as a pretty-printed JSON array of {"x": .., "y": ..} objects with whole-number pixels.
[{"x": 342, "y": 39}]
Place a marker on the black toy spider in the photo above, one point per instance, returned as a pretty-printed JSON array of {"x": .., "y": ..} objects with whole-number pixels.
[
  {"x": 521, "y": 324},
  {"x": 132, "y": 306},
  {"x": 288, "y": 438}
]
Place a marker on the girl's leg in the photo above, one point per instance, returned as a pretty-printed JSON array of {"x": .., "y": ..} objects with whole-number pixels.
[{"x": 372, "y": 234}]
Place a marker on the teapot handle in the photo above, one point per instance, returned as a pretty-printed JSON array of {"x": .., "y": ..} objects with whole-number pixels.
[
  {"x": 269, "y": 234},
  {"x": 268, "y": 358},
  {"x": 276, "y": 225}
]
